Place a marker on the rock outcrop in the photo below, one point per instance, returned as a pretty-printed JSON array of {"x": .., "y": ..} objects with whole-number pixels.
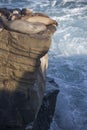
[
  {"x": 23, "y": 61},
  {"x": 46, "y": 112}
]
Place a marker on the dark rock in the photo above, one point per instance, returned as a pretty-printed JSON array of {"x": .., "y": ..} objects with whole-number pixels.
[
  {"x": 46, "y": 112},
  {"x": 21, "y": 80}
]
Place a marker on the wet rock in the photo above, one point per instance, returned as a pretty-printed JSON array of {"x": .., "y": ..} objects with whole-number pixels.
[{"x": 46, "y": 112}]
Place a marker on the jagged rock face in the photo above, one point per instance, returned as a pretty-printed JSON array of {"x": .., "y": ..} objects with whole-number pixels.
[
  {"x": 46, "y": 112},
  {"x": 21, "y": 80}
]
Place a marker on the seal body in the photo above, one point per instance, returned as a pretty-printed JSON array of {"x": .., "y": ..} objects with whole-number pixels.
[
  {"x": 40, "y": 14},
  {"x": 40, "y": 19},
  {"x": 23, "y": 26},
  {"x": 26, "y": 11},
  {"x": 14, "y": 17}
]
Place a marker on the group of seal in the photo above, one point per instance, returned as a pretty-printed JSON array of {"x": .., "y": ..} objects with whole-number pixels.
[{"x": 24, "y": 21}]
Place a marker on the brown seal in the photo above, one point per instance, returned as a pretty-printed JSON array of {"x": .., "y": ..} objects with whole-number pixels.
[
  {"x": 14, "y": 14},
  {"x": 26, "y": 11},
  {"x": 14, "y": 17},
  {"x": 22, "y": 26},
  {"x": 40, "y": 19},
  {"x": 15, "y": 11},
  {"x": 40, "y": 14},
  {"x": 4, "y": 11}
]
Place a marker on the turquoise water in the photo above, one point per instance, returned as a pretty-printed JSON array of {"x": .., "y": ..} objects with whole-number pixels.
[{"x": 67, "y": 58}]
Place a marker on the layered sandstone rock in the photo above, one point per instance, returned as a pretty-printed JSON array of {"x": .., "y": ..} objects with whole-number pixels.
[
  {"x": 23, "y": 63},
  {"x": 22, "y": 81}
]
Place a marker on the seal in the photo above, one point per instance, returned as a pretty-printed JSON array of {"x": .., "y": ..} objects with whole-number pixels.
[
  {"x": 14, "y": 14},
  {"x": 14, "y": 17},
  {"x": 15, "y": 11},
  {"x": 26, "y": 11},
  {"x": 40, "y": 14},
  {"x": 40, "y": 19},
  {"x": 22, "y": 26},
  {"x": 4, "y": 11}
]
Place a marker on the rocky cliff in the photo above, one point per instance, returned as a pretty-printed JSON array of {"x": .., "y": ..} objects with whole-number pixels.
[{"x": 23, "y": 62}]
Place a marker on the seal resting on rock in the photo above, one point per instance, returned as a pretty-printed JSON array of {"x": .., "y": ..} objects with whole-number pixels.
[
  {"x": 14, "y": 17},
  {"x": 23, "y": 26},
  {"x": 40, "y": 19},
  {"x": 26, "y": 11},
  {"x": 40, "y": 14}
]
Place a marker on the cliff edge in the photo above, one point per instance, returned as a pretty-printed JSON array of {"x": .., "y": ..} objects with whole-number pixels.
[{"x": 23, "y": 62}]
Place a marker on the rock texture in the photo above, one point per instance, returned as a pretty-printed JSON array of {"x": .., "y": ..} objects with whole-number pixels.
[
  {"x": 23, "y": 63},
  {"x": 46, "y": 112},
  {"x": 22, "y": 83}
]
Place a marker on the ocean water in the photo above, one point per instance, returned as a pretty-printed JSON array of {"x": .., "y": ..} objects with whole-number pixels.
[{"x": 67, "y": 58}]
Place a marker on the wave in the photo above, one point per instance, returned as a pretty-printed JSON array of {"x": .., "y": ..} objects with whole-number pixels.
[{"x": 53, "y": 2}]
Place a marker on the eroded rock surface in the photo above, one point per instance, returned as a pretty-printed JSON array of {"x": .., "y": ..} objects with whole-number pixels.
[
  {"x": 47, "y": 110},
  {"x": 23, "y": 62}
]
